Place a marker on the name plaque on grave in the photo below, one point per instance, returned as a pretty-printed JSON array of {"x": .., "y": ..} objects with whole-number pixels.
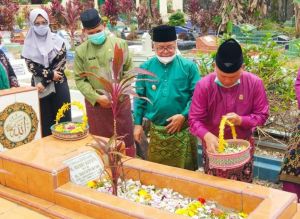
[
  {"x": 85, "y": 167},
  {"x": 18, "y": 125},
  {"x": 19, "y": 67}
]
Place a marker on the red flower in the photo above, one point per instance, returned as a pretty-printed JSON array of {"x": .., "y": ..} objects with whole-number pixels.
[{"x": 202, "y": 200}]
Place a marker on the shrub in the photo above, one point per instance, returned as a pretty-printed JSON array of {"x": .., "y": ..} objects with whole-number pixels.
[{"x": 177, "y": 19}]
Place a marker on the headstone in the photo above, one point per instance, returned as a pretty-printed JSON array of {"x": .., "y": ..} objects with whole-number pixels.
[
  {"x": 163, "y": 10},
  {"x": 6, "y": 35},
  {"x": 20, "y": 68},
  {"x": 85, "y": 167},
  {"x": 177, "y": 5},
  {"x": 147, "y": 43},
  {"x": 206, "y": 44},
  {"x": 18, "y": 37}
]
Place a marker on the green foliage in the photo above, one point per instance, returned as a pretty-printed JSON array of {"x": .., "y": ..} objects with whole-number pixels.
[
  {"x": 177, "y": 19},
  {"x": 269, "y": 24},
  {"x": 20, "y": 20},
  {"x": 24, "y": 2},
  {"x": 268, "y": 63},
  {"x": 229, "y": 32},
  {"x": 217, "y": 20},
  {"x": 205, "y": 63},
  {"x": 46, "y": 1}
]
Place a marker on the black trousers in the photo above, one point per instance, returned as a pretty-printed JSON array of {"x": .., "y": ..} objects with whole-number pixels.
[{"x": 50, "y": 104}]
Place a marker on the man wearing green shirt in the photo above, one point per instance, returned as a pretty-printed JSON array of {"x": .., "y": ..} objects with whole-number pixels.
[
  {"x": 170, "y": 94},
  {"x": 98, "y": 52}
]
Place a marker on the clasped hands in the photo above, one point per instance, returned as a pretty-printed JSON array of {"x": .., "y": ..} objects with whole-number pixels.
[
  {"x": 175, "y": 125},
  {"x": 57, "y": 76}
]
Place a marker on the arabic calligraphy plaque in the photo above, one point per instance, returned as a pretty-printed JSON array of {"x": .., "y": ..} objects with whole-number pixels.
[{"x": 18, "y": 125}]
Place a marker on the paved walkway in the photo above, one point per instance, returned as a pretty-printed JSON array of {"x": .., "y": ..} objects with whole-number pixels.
[{"x": 10, "y": 210}]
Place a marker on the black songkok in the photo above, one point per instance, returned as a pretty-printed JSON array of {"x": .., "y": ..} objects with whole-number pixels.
[
  {"x": 90, "y": 18},
  {"x": 229, "y": 56},
  {"x": 163, "y": 33}
]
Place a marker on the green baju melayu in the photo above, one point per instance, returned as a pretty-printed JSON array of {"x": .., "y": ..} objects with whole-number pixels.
[
  {"x": 170, "y": 93},
  {"x": 97, "y": 59},
  {"x": 4, "y": 82}
]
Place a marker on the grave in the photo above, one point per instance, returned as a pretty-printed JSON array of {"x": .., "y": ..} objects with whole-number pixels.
[
  {"x": 206, "y": 44},
  {"x": 40, "y": 169}
]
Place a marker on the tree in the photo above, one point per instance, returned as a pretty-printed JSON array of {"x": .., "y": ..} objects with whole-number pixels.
[
  {"x": 142, "y": 17},
  {"x": 177, "y": 19},
  {"x": 127, "y": 7},
  {"x": 231, "y": 10},
  {"x": 257, "y": 9},
  {"x": 297, "y": 17},
  {"x": 192, "y": 8},
  {"x": 7, "y": 10}
]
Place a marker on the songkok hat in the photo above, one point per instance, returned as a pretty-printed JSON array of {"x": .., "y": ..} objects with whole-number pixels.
[
  {"x": 229, "y": 56},
  {"x": 90, "y": 18},
  {"x": 164, "y": 33}
]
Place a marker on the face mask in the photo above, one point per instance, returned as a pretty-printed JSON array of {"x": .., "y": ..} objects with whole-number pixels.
[
  {"x": 41, "y": 30},
  {"x": 218, "y": 82},
  {"x": 166, "y": 60},
  {"x": 97, "y": 38}
]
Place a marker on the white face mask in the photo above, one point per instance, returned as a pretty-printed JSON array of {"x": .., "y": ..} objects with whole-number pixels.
[
  {"x": 166, "y": 60},
  {"x": 41, "y": 30}
]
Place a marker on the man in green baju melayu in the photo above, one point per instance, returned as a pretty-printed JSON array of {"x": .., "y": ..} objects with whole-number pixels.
[
  {"x": 98, "y": 51},
  {"x": 170, "y": 94}
]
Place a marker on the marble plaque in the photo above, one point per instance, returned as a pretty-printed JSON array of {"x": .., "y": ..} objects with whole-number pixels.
[{"x": 85, "y": 167}]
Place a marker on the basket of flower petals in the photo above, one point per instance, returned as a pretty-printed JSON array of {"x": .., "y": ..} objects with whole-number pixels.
[
  {"x": 231, "y": 153},
  {"x": 70, "y": 131}
]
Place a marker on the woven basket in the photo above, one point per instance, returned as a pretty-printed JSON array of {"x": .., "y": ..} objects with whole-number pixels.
[
  {"x": 69, "y": 136},
  {"x": 231, "y": 160}
]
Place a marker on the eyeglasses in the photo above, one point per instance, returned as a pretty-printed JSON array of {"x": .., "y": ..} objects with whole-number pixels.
[
  {"x": 167, "y": 48},
  {"x": 41, "y": 23}
]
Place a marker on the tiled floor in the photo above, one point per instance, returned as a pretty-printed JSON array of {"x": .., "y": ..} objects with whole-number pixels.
[{"x": 10, "y": 210}]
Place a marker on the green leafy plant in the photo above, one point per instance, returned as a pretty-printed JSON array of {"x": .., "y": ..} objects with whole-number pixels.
[
  {"x": 266, "y": 60},
  {"x": 20, "y": 20},
  {"x": 177, "y": 19},
  {"x": 117, "y": 87},
  {"x": 205, "y": 63},
  {"x": 24, "y": 2}
]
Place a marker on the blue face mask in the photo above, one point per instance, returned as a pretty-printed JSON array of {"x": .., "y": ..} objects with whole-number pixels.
[
  {"x": 218, "y": 82},
  {"x": 97, "y": 38}
]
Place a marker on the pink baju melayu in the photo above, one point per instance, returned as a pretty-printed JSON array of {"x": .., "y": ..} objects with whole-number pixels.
[
  {"x": 297, "y": 88},
  {"x": 211, "y": 101}
]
